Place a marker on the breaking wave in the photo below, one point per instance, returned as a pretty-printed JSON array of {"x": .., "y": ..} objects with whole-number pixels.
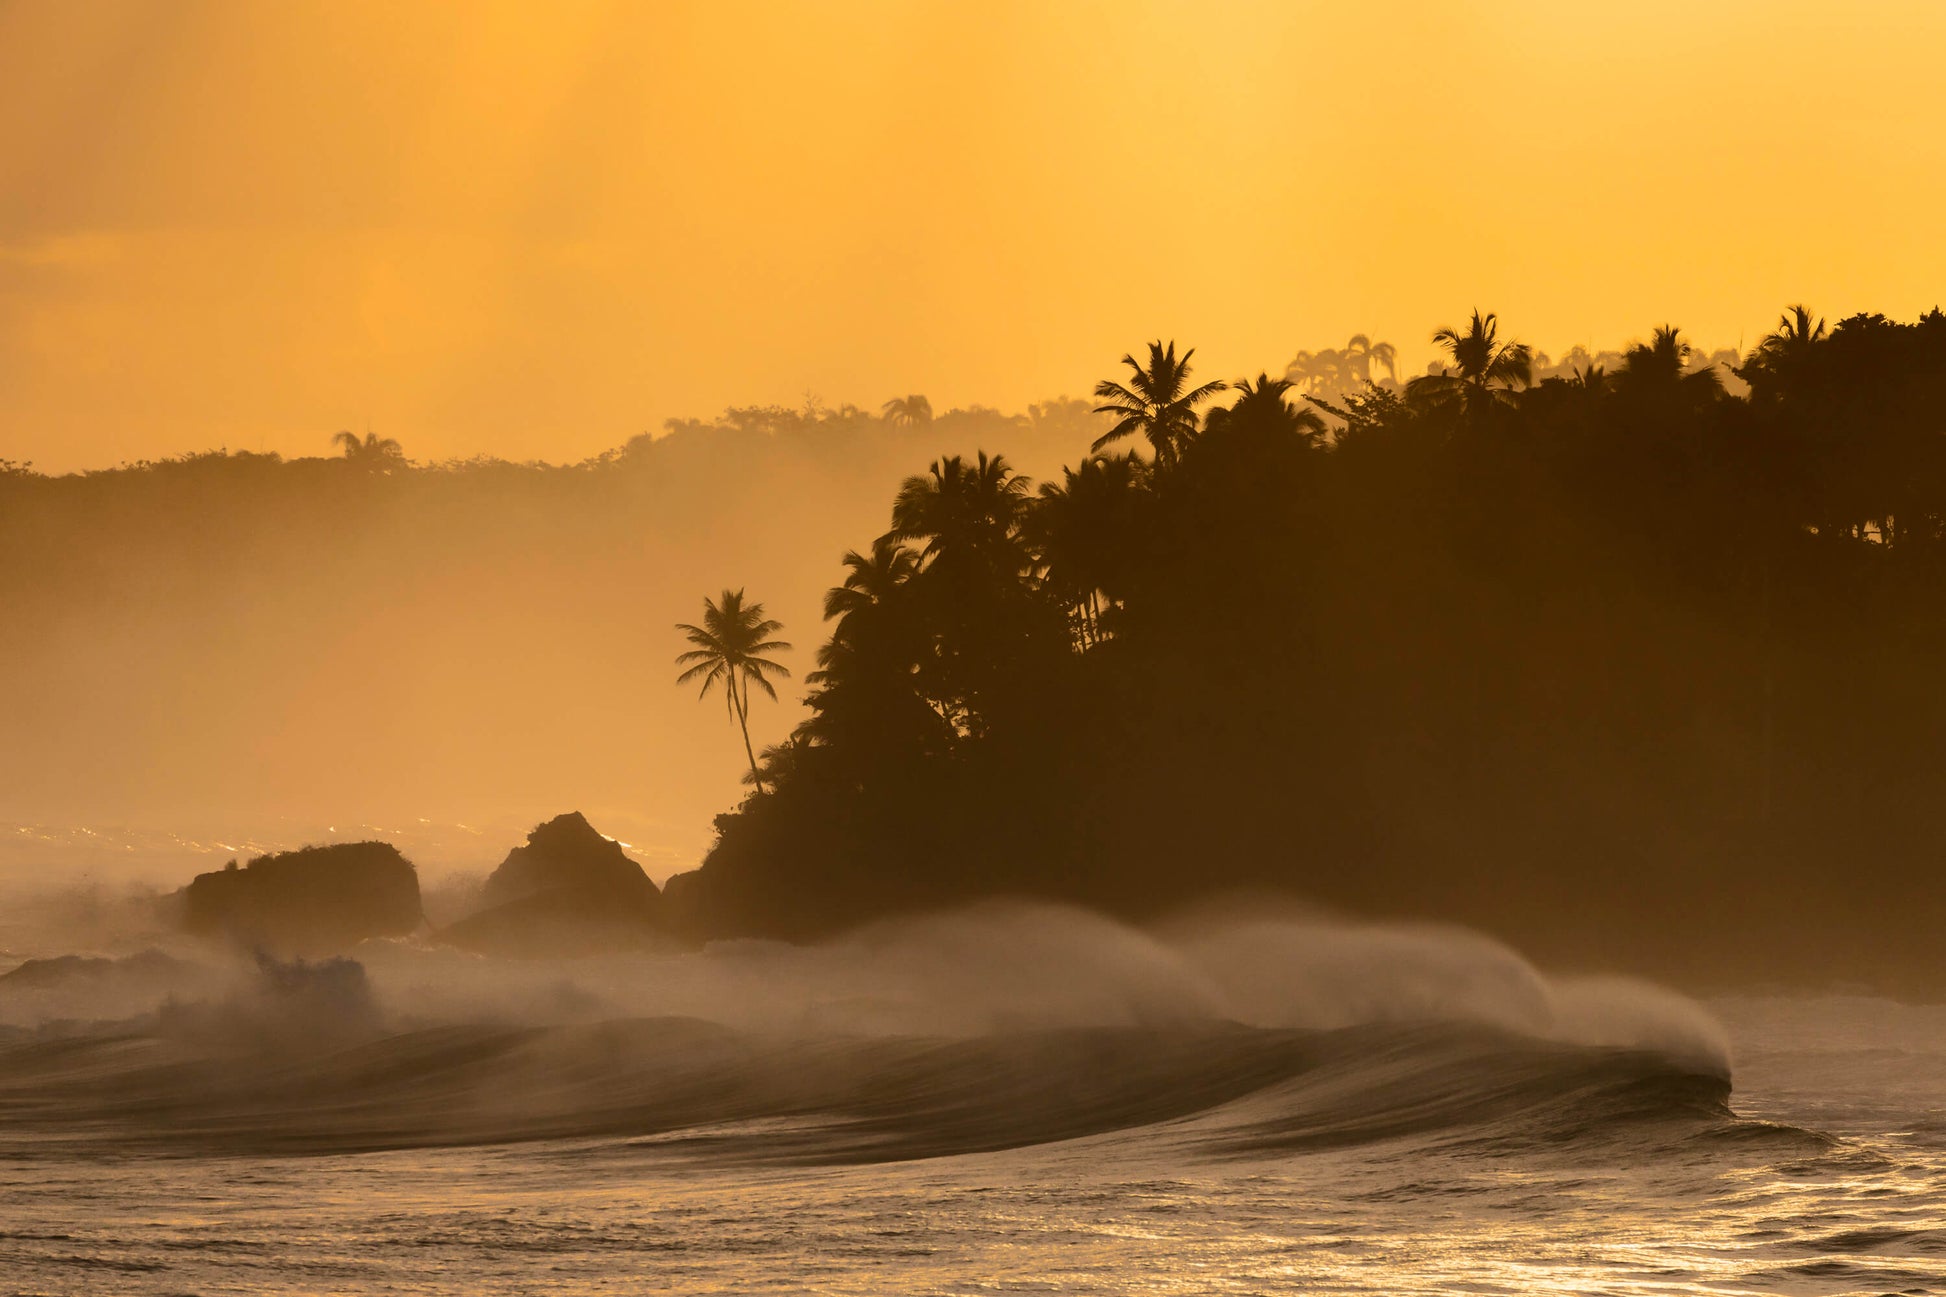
[{"x": 995, "y": 1027}]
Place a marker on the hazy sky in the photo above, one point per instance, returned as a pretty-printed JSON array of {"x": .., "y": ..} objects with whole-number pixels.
[{"x": 537, "y": 229}]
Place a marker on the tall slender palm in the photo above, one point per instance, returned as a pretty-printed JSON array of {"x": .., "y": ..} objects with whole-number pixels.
[
  {"x": 1157, "y": 402},
  {"x": 907, "y": 410},
  {"x": 730, "y": 647},
  {"x": 782, "y": 760},
  {"x": 373, "y": 451},
  {"x": 1484, "y": 371}
]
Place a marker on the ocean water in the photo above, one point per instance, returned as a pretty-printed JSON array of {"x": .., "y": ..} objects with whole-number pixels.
[{"x": 1006, "y": 1100}]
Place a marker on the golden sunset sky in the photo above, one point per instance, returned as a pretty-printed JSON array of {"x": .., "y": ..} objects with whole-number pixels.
[{"x": 534, "y": 230}]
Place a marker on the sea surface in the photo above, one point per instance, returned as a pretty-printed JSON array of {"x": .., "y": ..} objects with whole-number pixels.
[{"x": 1006, "y": 1100}]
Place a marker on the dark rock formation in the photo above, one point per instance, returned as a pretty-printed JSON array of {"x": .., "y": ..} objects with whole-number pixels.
[
  {"x": 568, "y": 891},
  {"x": 313, "y": 901},
  {"x": 567, "y": 852}
]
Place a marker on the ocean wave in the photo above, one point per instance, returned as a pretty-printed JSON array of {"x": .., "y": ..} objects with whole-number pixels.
[
  {"x": 701, "y": 1089},
  {"x": 975, "y": 1031}
]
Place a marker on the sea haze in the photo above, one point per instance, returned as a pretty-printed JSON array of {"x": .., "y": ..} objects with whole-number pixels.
[{"x": 1007, "y": 1096}]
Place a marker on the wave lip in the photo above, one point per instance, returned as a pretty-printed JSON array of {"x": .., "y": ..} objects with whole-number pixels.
[
  {"x": 997, "y": 1026},
  {"x": 1480, "y": 1088},
  {"x": 703, "y": 1090}
]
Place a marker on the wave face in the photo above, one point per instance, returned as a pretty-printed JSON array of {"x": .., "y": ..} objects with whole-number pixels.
[{"x": 999, "y": 1027}]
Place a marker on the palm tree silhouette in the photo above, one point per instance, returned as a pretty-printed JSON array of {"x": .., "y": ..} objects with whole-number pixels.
[
  {"x": 782, "y": 760},
  {"x": 1485, "y": 369},
  {"x": 1083, "y": 530},
  {"x": 1361, "y": 353},
  {"x": 907, "y": 410},
  {"x": 1301, "y": 371},
  {"x": 729, "y": 647},
  {"x": 963, "y": 511},
  {"x": 870, "y": 581},
  {"x": 1592, "y": 380},
  {"x": 373, "y": 451},
  {"x": 1796, "y": 333},
  {"x": 1262, "y": 407},
  {"x": 1320, "y": 372},
  {"x": 1661, "y": 367},
  {"x": 1160, "y": 404}
]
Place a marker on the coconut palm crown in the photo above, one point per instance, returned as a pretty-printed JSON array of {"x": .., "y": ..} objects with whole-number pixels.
[
  {"x": 1484, "y": 369},
  {"x": 729, "y": 647},
  {"x": 372, "y": 451},
  {"x": 1157, "y": 402}
]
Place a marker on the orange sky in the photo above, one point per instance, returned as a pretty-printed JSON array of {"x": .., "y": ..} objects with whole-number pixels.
[{"x": 537, "y": 229}]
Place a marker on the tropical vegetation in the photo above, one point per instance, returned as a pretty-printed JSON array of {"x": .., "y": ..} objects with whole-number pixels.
[
  {"x": 1509, "y": 640},
  {"x": 729, "y": 649}
]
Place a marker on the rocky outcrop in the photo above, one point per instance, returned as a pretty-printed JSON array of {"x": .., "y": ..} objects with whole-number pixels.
[
  {"x": 567, "y": 891},
  {"x": 313, "y": 901},
  {"x": 566, "y": 852}
]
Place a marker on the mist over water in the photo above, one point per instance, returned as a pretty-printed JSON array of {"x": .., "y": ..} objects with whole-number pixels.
[
  {"x": 962, "y": 649},
  {"x": 990, "y": 967},
  {"x": 978, "y": 1083},
  {"x": 983, "y": 1012}
]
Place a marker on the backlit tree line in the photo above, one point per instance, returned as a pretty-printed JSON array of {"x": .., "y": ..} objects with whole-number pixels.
[{"x": 1600, "y": 628}]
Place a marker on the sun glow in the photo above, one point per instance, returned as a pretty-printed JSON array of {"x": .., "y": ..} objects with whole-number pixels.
[{"x": 538, "y": 231}]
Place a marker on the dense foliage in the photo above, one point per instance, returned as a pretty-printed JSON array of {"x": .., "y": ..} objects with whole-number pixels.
[{"x": 1572, "y": 654}]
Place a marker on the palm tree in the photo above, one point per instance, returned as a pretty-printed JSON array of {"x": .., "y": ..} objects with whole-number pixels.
[
  {"x": 1659, "y": 360},
  {"x": 782, "y": 760},
  {"x": 870, "y": 582},
  {"x": 907, "y": 410},
  {"x": 1262, "y": 407},
  {"x": 1485, "y": 369},
  {"x": 1085, "y": 530},
  {"x": 1321, "y": 373},
  {"x": 1160, "y": 404},
  {"x": 1302, "y": 370},
  {"x": 1780, "y": 354},
  {"x": 730, "y": 645},
  {"x": 1661, "y": 367},
  {"x": 1361, "y": 353},
  {"x": 373, "y": 451},
  {"x": 963, "y": 511},
  {"x": 1795, "y": 335}
]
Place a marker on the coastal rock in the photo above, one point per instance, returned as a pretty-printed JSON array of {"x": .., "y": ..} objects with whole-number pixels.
[
  {"x": 313, "y": 901},
  {"x": 567, "y": 852},
  {"x": 567, "y": 891}
]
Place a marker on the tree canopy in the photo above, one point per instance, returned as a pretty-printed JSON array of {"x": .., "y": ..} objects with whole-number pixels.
[{"x": 1517, "y": 641}]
